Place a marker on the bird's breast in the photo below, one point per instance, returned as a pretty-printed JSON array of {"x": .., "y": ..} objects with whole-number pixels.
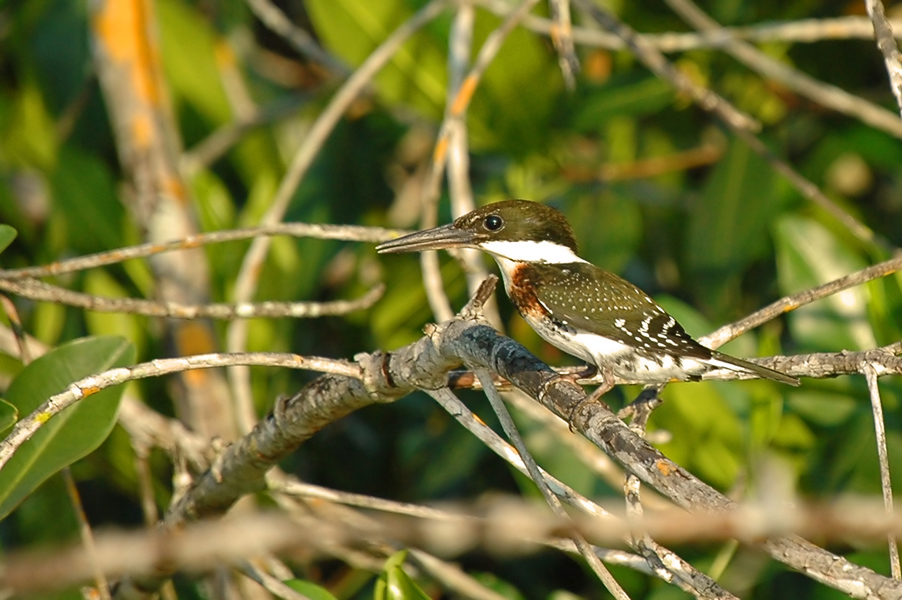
[{"x": 521, "y": 288}]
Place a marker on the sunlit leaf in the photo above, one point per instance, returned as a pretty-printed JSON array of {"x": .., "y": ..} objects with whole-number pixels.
[
  {"x": 353, "y": 29},
  {"x": 7, "y": 235},
  {"x": 74, "y": 432},
  {"x": 8, "y": 415},
  {"x": 707, "y": 434},
  {"x": 395, "y": 584},
  {"x": 189, "y": 57},
  {"x": 100, "y": 283},
  {"x": 310, "y": 589},
  {"x": 31, "y": 138},
  {"x": 808, "y": 255}
]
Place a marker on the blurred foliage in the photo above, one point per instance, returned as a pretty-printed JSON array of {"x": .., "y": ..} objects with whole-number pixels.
[{"x": 712, "y": 239}]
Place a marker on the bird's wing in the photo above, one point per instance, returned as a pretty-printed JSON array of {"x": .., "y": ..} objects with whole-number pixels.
[{"x": 594, "y": 301}]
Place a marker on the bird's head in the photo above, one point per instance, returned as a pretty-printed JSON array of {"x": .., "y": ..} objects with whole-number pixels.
[{"x": 518, "y": 230}]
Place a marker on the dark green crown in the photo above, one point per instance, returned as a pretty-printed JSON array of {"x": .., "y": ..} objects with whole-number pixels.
[{"x": 518, "y": 221}]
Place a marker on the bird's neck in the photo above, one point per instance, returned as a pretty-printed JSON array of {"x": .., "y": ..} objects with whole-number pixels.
[
  {"x": 531, "y": 252},
  {"x": 511, "y": 256}
]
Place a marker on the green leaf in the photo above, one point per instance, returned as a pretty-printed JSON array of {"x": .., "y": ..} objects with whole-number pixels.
[
  {"x": 501, "y": 115},
  {"x": 189, "y": 59},
  {"x": 622, "y": 96},
  {"x": 8, "y": 415},
  {"x": 31, "y": 139},
  {"x": 395, "y": 584},
  {"x": 795, "y": 441},
  {"x": 85, "y": 202},
  {"x": 415, "y": 75},
  {"x": 101, "y": 283},
  {"x": 611, "y": 241},
  {"x": 709, "y": 438},
  {"x": 503, "y": 588},
  {"x": 728, "y": 226},
  {"x": 828, "y": 409},
  {"x": 7, "y": 235},
  {"x": 809, "y": 255},
  {"x": 76, "y": 431},
  {"x": 885, "y": 308},
  {"x": 765, "y": 418},
  {"x": 310, "y": 589}
]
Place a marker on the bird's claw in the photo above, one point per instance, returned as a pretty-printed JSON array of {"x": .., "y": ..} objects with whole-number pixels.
[{"x": 607, "y": 384}]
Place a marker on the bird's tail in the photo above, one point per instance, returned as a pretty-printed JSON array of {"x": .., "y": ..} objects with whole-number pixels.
[{"x": 725, "y": 361}]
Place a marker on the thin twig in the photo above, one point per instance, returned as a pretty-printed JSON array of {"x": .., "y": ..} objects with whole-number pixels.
[
  {"x": 15, "y": 324},
  {"x": 588, "y": 454},
  {"x": 883, "y": 31},
  {"x": 293, "y": 487},
  {"x": 88, "y": 386},
  {"x": 870, "y": 374},
  {"x": 784, "y": 305},
  {"x": 460, "y": 190},
  {"x": 562, "y": 38},
  {"x": 273, "y": 585},
  {"x": 535, "y": 474},
  {"x": 827, "y": 95},
  {"x": 802, "y": 31},
  {"x": 251, "y": 266},
  {"x": 87, "y": 536},
  {"x": 241, "y": 103},
  {"x": 209, "y": 149},
  {"x": 348, "y": 233},
  {"x": 273, "y": 17},
  {"x": 454, "y": 113},
  {"x": 741, "y": 124},
  {"x": 38, "y": 290},
  {"x": 457, "y": 409},
  {"x": 453, "y": 577},
  {"x": 460, "y": 43},
  {"x": 145, "y": 482},
  {"x": 652, "y": 58}
]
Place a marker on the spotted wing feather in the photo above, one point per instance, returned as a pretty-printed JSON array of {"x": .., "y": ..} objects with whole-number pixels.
[{"x": 582, "y": 296}]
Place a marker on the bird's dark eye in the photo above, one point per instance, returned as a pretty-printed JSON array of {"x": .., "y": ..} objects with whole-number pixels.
[{"x": 493, "y": 223}]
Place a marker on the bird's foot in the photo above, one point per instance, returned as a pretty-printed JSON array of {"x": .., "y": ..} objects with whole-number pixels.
[
  {"x": 607, "y": 384},
  {"x": 588, "y": 372}
]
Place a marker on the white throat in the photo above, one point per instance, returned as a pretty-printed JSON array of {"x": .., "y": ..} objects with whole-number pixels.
[{"x": 543, "y": 252}]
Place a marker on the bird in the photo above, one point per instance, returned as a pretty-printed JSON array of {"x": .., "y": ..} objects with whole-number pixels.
[{"x": 584, "y": 310}]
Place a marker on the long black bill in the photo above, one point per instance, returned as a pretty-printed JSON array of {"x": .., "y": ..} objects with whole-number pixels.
[{"x": 446, "y": 236}]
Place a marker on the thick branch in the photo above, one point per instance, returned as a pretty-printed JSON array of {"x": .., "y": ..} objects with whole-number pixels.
[{"x": 424, "y": 365}]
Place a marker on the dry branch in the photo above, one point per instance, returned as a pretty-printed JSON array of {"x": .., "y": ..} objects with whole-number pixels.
[
  {"x": 38, "y": 290},
  {"x": 242, "y": 467},
  {"x": 502, "y": 526}
]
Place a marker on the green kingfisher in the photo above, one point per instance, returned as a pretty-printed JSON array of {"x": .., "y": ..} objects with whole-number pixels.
[{"x": 583, "y": 310}]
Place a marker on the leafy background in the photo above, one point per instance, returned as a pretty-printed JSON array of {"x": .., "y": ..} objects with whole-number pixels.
[{"x": 712, "y": 240}]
